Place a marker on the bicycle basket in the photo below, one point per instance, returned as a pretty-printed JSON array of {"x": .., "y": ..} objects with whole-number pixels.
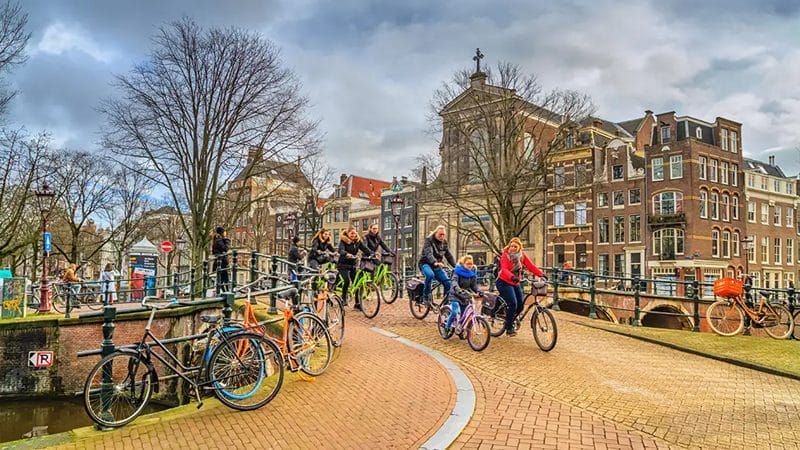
[
  {"x": 368, "y": 265},
  {"x": 387, "y": 259},
  {"x": 489, "y": 301},
  {"x": 539, "y": 286},
  {"x": 728, "y": 287}
]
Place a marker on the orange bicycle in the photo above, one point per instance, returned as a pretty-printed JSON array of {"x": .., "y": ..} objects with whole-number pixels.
[{"x": 726, "y": 316}]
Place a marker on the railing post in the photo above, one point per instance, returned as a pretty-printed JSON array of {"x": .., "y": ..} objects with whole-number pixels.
[
  {"x": 232, "y": 281},
  {"x": 175, "y": 285},
  {"x": 253, "y": 266},
  {"x": 696, "y": 304},
  {"x": 790, "y": 297},
  {"x": 106, "y": 294},
  {"x": 68, "y": 294},
  {"x": 227, "y": 308},
  {"x": 637, "y": 297},
  {"x": 107, "y": 348},
  {"x": 205, "y": 275},
  {"x": 555, "y": 289},
  {"x": 273, "y": 299},
  {"x": 748, "y": 300},
  {"x": 592, "y": 296},
  {"x": 192, "y": 282}
]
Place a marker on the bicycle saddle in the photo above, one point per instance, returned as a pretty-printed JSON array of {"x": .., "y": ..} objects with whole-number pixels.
[{"x": 210, "y": 318}]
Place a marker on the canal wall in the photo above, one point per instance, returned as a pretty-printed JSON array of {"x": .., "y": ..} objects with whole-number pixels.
[{"x": 66, "y": 337}]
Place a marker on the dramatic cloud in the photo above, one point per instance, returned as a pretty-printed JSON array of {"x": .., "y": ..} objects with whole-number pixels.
[{"x": 371, "y": 66}]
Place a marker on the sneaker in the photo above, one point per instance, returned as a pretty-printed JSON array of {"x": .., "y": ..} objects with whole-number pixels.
[{"x": 511, "y": 333}]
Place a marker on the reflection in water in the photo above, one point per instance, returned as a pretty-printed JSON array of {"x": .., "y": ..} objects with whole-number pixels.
[{"x": 21, "y": 416}]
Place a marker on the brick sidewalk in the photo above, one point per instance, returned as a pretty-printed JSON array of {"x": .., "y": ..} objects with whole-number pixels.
[{"x": 377, "y": 394}]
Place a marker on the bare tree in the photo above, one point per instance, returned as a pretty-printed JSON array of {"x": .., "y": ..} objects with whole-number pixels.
[
  {"x": 130, "y": 190},
  {"x": 13, "y": 39},
  {"x": 191, "y": 114},
  {"x": 86, "y": 194},
  {"x": 499, "y": 132},
  {"x": 21, "y": 158}
]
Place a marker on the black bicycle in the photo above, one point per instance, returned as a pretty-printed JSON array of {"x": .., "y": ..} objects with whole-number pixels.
[
  {"x": 243, "y": 369},
  {"x": 420, "y": 308},
  {"x": 543, "y": 322}
]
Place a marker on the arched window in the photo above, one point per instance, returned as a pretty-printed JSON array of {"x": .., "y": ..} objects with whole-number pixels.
[
  {"x": 714, "y": 205},
  {"x": 726, "y": 244},
  {"x": 668, "y": 203},
  {"x": 736, "y": 243},
  {"x": 667, "y": 242},
  {"x": 715, "y": 243},
  {"x": 703, "y": 203},
  {"x": 726, "y": 208},
  {"x": 735, "y": 207}
]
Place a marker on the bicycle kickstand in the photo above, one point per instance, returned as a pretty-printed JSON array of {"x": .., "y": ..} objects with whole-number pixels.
[{"x": 197, "y": 396}]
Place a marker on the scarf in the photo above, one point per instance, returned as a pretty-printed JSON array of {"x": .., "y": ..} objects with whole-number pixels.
[
  {"x": 464, "y": 272},
  {"x": 516, "y": 260}
]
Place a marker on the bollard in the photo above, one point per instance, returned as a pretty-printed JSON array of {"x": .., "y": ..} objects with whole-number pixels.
[
  {"x": 554, "y": 277},
  {"x": 748, "y": 300},
  {"x": 696, "y": 304},
  {"x": 790, "y": 298},
  {"x": 273, "y": 299},
  {"x": 227, "y": 308},
  {"x": 204, "y": 283},
  {"x": 592, "y": 295},
  {"x": 192, "y": 281},
  {"x": 107, "y": 348},
  {"x": 232, "y": 280},
  {"x": 253, "y": 266},
  {"x": 637, "y": 297}
]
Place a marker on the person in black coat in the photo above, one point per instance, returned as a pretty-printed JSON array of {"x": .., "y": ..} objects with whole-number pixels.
[
  {"x": 219, "y": 248},
  {"x": 373, "y": 241},
  {"x": 349, "y": 246},
  {"x": 320, "y": 244},
  {"x": 431, "y": 263},
  {"x": 295, "y": 258}
]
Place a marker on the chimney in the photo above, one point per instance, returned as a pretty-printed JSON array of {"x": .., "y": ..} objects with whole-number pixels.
[
  {"x": 771, "y": 160},
  {"x": 648, "y": 113},
  {"x": 342, "y": 178}
]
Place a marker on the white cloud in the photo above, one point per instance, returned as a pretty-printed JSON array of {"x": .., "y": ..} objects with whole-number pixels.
[{"x": 59, "y": 38}]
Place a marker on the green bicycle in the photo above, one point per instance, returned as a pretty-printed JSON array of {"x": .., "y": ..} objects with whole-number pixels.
[
  {"x": 386, "y": 280},
  {"x": 363, "y": 289}
]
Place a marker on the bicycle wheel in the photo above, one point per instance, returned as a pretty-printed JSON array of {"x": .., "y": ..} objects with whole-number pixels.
[
  {"x": 390, "y": 287},
  {"x": 117, "y": 389},
  {"x": 246, "y": 371},
  {"x": 57, "y": 302},
  {"x": 725, "y": 318},
  {"x": 779, "y": 325},
  {"x": 93, "y": 301},
  {"x": 497, "y": 318},
  {"x": 418, "y": 309},
  {"x": 545, "y": 331},
  {"x": 370, "y": 300},
  {"x": 309, "y": 344},
  {"x": 335, "y": 319},
  {"x": 441, "y": 321},
  {"x": 795, "y": 328},
  {"x": 478, "y": 335}
]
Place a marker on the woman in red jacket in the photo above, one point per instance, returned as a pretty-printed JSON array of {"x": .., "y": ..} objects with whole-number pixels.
[{"x": 512, "y": 262}]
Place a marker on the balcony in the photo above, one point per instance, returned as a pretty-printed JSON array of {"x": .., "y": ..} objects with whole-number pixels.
[{"x": 666, "y": 220}]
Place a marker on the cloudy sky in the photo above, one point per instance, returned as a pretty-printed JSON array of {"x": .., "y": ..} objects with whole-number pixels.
[{"x": 370, "y": 67}]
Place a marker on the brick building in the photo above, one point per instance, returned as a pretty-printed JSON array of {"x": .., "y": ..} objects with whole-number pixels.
[
  {"x": 406, "y": 229},
  {"x": 352, "y": 193}
]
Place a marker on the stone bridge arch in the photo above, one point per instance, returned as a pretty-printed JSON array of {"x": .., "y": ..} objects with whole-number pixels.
[{"x": 652, "y": 318}]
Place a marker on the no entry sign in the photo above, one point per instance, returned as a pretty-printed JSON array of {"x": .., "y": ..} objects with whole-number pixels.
[{"x": 166, "y": 246}]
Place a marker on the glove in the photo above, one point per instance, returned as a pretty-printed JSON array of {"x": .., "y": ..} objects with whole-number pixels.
[{"x": 514, "y": 279}]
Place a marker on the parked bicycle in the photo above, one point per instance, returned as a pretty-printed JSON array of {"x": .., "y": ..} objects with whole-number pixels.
[
  {"x": 543, "y": 322},
  {"x": 469, "y": 324},
  {"x": 326, "y": 304},
  {"x": 726, "y": 315},
  {"x": 244, "y": 370},
  {"x": 78, "y": 294}
]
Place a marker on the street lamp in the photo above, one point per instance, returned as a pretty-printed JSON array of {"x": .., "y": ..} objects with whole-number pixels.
[
  {"x": 180, "y": 247},
  {"x": 747, "y": 243},
  {"x": 44, "y": 198},
  {"x": 397, "y": 208},
  {"x": 288, "y": 225}
]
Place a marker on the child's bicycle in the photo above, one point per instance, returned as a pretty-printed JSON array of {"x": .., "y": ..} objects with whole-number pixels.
[
  {"x": 543, "y": 322},
  {"x": 726, "y": 315},
  {"x": 468, "y": 323}
]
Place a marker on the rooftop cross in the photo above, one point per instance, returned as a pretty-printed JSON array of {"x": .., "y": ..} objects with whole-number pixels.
[{"x": 477, "y": 58}]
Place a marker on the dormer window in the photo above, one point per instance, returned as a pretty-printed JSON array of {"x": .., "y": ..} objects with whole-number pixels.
[
  {"x": 698, "y": 133},
  {"x": 569, "y": 141},
  {"x": 666, "y": 134}
]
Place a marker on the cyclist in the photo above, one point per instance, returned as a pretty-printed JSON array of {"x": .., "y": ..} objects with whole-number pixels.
[
  {"x": 72, "y": 280},
  {"x": 349, "y": 246},
  {"x": 512, "y": 262},
  {"x": 295, "y": 258},
  {"x": 464, "y": 287},
  {"x": 320, "y": 244},
  {"x": 373, "y": 241},
  {"x": 434, "y": 252}
]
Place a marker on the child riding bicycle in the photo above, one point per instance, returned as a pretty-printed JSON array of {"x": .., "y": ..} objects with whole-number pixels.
[{"x": 464, "y": 286}]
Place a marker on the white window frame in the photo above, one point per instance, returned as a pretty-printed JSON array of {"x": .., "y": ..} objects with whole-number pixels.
[
  {"x": 724, "y": 139},
  {"x": 725, "y": 208},
  {"x": 675, "y": 167},
  {"x": 734, "y": 137},
  {"x": 677, "y": 201},
  {"x": 698, "y": 133},
  {"x": 790, "y": 217},
  {"x": 776, "y": 216},
  {"x": 723, "y": 172},
  {"x": 734, "y": 175},
  {"x": 776, "y": 248},
  {"x": 559, "y": 210},
  {"x": 765, "y": 250},
  {"x": 715, "y": 243},
  {"x": 580, "y": 213},
  {"x": 735, "y": 207},
  {"x": 712, "y": 169},
  {"x": 714, "y": 212},
  {"x": 765, "y": 214},
  {"x": 660, "y": 164},
  {"x": 703, "y": 162},
  {"x": 751, "y": 212},
  {"x": 630, "y": 228},
  {"x": 666, "y": 138},
  {"x": 726, "y": 244},
  {"x": 790, "y": 251},
  {"x": 703, "y": 204},
  {"x": 736, "y": 243}
]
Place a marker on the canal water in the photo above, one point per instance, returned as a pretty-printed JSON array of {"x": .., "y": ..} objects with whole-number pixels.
[{"x": 18, "y": 417}]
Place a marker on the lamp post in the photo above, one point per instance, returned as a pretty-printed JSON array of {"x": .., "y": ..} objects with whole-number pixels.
[
  {"x": 288, "y": 224},
  {"x": 747, "y": 245},
  {"x": 44, "y": 198},
  {"x": 180, "y": 247},
  {"x": 397, "y": 209}
]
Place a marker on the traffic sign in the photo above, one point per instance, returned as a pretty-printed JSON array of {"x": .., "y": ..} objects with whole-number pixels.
[
  {"x": 47, "y": 242},
  {"x": 166, "y": 246},
  {"x": 40, "y": 359}
]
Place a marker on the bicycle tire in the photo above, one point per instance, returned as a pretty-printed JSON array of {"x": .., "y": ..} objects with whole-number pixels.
[
  {"x": 109, "y": 413},
  {"x": 310, "y": 344},
  {"x": 724, "y": 315},
  {"x": 497, "y": 318},
  {"x": 94, "y": 301},
  {"x": 441, "y": 321},
  {"x": 370, "y": 300},
  {"x": 419, "y": 310},
  {"x": 335, "y": 319},
  {"x": 795, "y": 328},
  {"x": 471, "y": 333},
  {"x": 539, "y": 327},
  {"x": 57, "y": 303},
  {"x": 391, "y": 278},
  {"x": 785, "y": 328},
  {"x": 264, "y": 364}
]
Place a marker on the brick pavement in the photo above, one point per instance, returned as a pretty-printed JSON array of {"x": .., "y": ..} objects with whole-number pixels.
[
  {"x": 371, "y": 397},
  {"x": 599, "y": 390}
]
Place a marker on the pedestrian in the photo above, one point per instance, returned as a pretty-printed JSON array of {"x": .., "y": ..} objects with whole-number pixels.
[
  {"x": 220, "y": 247},
  {"x": 321, "y": 248},
  {"x": 512, "y": 263},
  {"x": 350, "y": 244},
  {"x": 295, "y": 258},
  {"x": 108, "y": 284},
  {"x": 435, "y": 252},
  {"x": 464, "y": 285},
  {"x": 566, "y": 275}
]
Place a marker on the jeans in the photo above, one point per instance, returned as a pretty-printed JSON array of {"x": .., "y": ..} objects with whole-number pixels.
[
  {"x": 348, "y": 274},
  {"x": 430, "y": 273},
  {"x": 514, "y": 301},
  {"x": 455, "y": 310}
]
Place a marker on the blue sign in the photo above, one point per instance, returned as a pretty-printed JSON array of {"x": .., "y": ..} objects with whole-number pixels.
[{"x": 47, "y": 242}]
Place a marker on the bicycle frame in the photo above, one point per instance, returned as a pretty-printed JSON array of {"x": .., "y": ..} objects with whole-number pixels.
[
  {"x": 468, "y": 314},
  {"x": 756, "y": 315}
]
